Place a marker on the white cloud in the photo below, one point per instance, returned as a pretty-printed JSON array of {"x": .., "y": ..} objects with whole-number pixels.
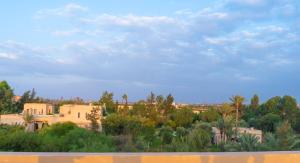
[
  {"x": 129, "y": 20},
  {"x": 240, "y": 44},
  {"x": 248, "y": 2},
  {"x": 63, "y": 33},
  {"x": 243, "y": 77},
  {"x": 68, "y": 10},
  {"x": 8, "y": 56}
]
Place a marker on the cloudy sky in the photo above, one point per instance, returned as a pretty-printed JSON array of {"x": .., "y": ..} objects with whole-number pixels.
[{"x": 200, "y": 51}]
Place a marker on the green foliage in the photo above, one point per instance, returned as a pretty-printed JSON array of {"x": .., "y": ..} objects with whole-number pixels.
[
  {"x": 63, "y": 137},
  {"x": 245, "y": 142},
  {"x": 94, "y": 117},
  {"x": 210, "y": 115},
  {"x": 182, "y": 117},
  {"x": 254, "y": 102},
  {"x": 166, "y": 133},
  {"x": 6, "y": 95},
  {"x": 199, "y": 140},
  {"x": 268, "y": 122},
  {"x": 107, "y": 101},
  {"x": 271, "y": 143}
]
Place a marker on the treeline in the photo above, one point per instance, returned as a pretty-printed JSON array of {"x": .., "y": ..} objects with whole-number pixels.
[
  {"x": 9, "y": 105},
  {"x": 155, "y": 125}
]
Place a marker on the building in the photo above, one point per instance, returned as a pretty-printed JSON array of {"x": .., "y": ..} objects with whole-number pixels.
[
  {"x": 43, "y": 115},
  {"x": 77, "y": 114},
  {"x": 241, "y": 130},
  {"x": 38, "y": 109},
  {"x": 123, "y": 105},
  {"x": 16, "y": 99}
]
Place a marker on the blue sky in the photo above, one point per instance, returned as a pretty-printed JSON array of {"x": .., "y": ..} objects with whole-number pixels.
[{"x": 200, "y": 51}]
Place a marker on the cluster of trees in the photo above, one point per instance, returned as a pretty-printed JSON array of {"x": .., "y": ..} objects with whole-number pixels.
[
  {"x": 154, "y": 124},
  {"x": 60, "y": 137}
]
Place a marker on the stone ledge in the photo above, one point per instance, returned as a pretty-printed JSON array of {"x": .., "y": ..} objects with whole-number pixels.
[{"x": 230, "y": 157}]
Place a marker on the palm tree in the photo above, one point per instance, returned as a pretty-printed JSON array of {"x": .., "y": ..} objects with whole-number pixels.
[
  {"x": 237, "y": 102},
  {"x": 225, "y": 110},
  {"x": 225, "y": 126}
]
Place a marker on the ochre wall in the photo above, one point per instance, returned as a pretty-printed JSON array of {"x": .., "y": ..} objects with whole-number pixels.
[{"x": 260, "y": 157}]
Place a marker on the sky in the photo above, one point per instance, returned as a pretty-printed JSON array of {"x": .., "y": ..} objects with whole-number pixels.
[{"x": 199, "y": 51}]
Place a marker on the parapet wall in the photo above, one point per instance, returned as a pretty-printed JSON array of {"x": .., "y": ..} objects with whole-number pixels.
[{"x": 239, "y": 157}]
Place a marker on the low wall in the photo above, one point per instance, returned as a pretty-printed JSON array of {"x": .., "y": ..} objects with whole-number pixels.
[{"x": 239, "y": 157}]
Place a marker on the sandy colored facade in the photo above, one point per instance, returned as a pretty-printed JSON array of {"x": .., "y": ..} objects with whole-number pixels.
[
  {"x": 122, "y": 106},
  {"x": 43, "y": 114},
  {"x": 38, "y": 109}
]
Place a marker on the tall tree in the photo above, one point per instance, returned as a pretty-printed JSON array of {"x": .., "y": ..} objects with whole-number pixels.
[
  {"x": 6, "y": 95},
  {"x": 32, "y": 95},
  {"x": 125, "y": 99},
  {"x": 225, "y": 110},
  {"x": 288, "y": 109},
  {"x": 107, "y": 102},
  {"x": 151, "y": 100},
  {"x": 237, "y": 102},
  {"x": 168, "y": 104},
  {"x": 94, "y": 117},
  {"x": 254, "y": 102},
  {"x": 225, "y": 123}
]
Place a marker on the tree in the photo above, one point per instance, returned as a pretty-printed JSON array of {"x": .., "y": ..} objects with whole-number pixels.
[
  {"x": 125, "y": 99},
  {"x": 94, "y": 117},
  {"x": 289, "y": 109},
  {"x": 225, "y": 125},
  {"x": 199, "y": 139},
  {"x": 166, "y": 133},
  {"x": 237, "y": 102},
  {"x": 270, "y": 143},
  {"x": 106, "y": 100},
  {"x": 284, "y": 134},
  {"x": 183, "y": 117},
  {"x": 254, "y": 102},
  {"x": 211, "y": 115},
  {"x": 225, "y": 110},
  {"x": 245, "y": 142},
  {"x": 28, "y": 96},
  {"x": 32, "y": 95},
  {"x": 6, "y": 95},
  {"x": 151, "y": 99},
  {"x": 268, "y": 122},
  {"x": 168, "y": 104}
]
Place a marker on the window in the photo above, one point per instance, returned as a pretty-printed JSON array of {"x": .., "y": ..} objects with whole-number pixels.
[{"x": 78, "y": 115}]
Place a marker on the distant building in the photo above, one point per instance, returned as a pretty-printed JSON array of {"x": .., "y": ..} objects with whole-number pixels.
[
  {"x": 16, "y": 99},
  {"x": 122, "y": 106},
  {"x": 43, "y": 114},
  {"x": 38, "y": 109},
  {"x": 241, "y": 130}
]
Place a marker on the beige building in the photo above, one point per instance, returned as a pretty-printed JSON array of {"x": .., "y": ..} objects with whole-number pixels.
[
  {"x": 43, "y": 114},
  {"x": 241, "y": 130},
  {"x": 38, "y": 109},
  {"x": 122, "y": 106},
  {"x": 77, "y": 114}
]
